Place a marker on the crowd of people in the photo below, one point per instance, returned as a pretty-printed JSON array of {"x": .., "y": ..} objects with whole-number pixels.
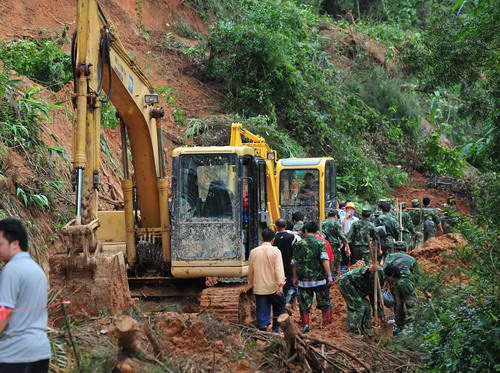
[
  {"x": 297, "y": 265},
  {"x": 293, "y": 268}
]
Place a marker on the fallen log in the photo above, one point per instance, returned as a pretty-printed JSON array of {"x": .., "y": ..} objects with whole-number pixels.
[{"x": 157, "y": 347}]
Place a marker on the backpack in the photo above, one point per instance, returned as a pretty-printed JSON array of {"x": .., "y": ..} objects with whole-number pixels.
[
  {"x": 382, "y": 232},
  {"x": 388, "y": 299},
  {"x": 429, "y": 225}
]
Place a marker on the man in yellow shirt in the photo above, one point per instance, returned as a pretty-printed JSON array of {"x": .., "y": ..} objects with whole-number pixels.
[{"x": 266, "y": 276}]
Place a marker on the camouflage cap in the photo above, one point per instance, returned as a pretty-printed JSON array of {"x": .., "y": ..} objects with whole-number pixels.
[
  {"x": 334, "y": 212},
  {"x": 366, "y": 211},
  {"x": 403, "y": 205},
  {"x": 415, "y": 203},
  {"x": 400, "y": 245}
]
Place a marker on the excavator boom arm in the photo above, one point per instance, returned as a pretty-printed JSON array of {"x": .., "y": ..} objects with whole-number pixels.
[{"x": 102, "y": 65}]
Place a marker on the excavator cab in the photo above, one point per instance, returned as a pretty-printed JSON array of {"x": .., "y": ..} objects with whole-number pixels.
[
  {"x": 307, "y": 185},
  {"x": 219, "y": 207}
]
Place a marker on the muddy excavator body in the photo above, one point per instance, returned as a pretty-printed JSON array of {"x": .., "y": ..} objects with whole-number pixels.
[{"x": 219, "y": 207}]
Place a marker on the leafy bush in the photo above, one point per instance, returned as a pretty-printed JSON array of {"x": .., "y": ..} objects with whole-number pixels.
[
  {"x": 41, "y": 60},
  {"x": 32, "y": 199},
  {"x": 21, "y": 120},
  {"x": 177, "y": 112},
  {"x": 185, "y": 30},
  {"x": 22, "y": 117},
  {"x": 383, "y": 94},
  {"x": 458, "y": 52},
  {"x": 440, "y": 159},
  {"x": 108, "y": 116}
]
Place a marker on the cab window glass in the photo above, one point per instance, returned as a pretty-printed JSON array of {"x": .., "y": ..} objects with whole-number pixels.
[
  {"x": 208, "y": 187},
  {"x": 299, "y": 187}
]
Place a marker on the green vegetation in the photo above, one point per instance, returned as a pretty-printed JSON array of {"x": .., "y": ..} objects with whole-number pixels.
[
  {"x": 168, "y": 94},
  {"x": 31, "y": 198},
  {"x": 108, "y": 116},
  {"x": 459, "y": 55},
  {"x": 272, "y": 61},
  {"x": 185, "y": 30},
  {"x": 458, "y": 329},
  {"x": 23, "y": 114},
  {"x": 440, "y": 159},
  {"x": 278, "y": 61},
  {"x": 140, "y": 26},
  {"x": 41, "y": 60}
]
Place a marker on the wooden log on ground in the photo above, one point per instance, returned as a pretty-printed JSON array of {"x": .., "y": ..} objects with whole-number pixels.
[
  {"x": 286, "y": 325},
  {"x": 157, "y": 348},
  {"x": 126, "y": 330}
]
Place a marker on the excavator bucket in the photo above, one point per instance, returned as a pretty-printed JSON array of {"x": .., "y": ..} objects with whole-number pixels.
[{"x": 96, "y": 282}]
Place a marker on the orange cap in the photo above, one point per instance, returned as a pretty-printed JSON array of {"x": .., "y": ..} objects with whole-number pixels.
[{"x": 351, "y": 205}]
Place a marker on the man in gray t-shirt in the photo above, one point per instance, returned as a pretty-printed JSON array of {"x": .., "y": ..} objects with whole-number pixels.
[{"x": 24, "y": 346}]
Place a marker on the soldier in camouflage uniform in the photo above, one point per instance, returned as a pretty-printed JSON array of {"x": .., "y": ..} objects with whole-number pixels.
[
  {"x": 378, "y": 211},
  {"x": 403, "y": 289},
  {"x": 419, "y": 228},
  {"x": 408, "y": 227},
  {"x": 309, "y": 265},
  {"x": 335, "y": 235},
  {"x": 355, "y": 286},
  {"x": 362, "y": 231},
  {"x": 298, "y": 223},
  {"x": 394, "y": 214},
  {"x": 388, "y": 230},
  {"x": 431, "y": 220}
]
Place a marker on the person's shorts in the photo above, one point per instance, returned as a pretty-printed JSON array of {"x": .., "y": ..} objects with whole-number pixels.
[{"x": 41, "y": 366}]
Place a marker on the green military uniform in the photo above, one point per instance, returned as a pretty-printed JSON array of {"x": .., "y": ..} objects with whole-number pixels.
[
  {"x": 415, "y": 218},
  {"x": 403, "y": 289},
  {"x": 299, "y": 228},
  {"x": 335, "y": 235},
  {"x": 308, "y": 256},
  {"x": 391, "y": 228},
  {"x": 430, "y": 221},
  {"x": 408, "y": 229},
  {"x": 359, "y": 234},
  {"x": 448, "y": 212},
  {"x": 355, "y": 286},
  {"x": 375, "y": 215},
  {"x": 378, "y": 211}
]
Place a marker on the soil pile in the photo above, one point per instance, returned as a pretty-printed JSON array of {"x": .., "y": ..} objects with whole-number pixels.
[{"x": 434, "y": 255}]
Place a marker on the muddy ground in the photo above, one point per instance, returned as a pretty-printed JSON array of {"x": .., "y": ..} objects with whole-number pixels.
[{"x": 198, "y": 342}]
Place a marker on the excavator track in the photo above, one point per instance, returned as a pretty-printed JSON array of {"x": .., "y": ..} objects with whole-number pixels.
[{"x": 229, "y": 302}]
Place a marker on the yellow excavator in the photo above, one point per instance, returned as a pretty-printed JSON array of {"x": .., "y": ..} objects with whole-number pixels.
[{"x": 221, "y": 197}]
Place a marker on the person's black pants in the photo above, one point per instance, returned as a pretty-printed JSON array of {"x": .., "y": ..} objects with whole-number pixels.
[{"x": 41, "y": 366}]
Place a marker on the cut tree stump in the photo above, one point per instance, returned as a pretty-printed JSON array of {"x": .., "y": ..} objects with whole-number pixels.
[
  {"x": 126, "y": 330},
  {"x": 286, "y": 325}
]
